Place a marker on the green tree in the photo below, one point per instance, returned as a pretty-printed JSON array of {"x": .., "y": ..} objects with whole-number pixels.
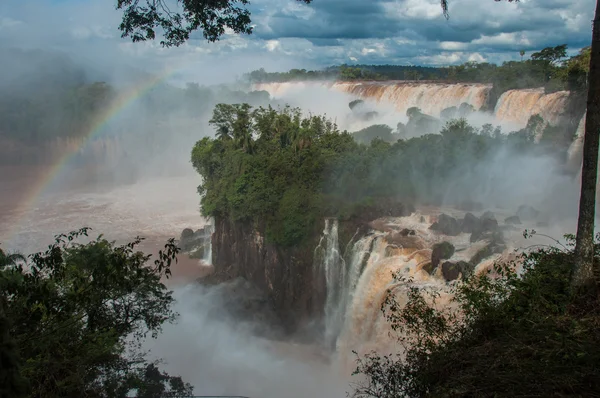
[
  {"x": 551, "y": 54},
  {"x": 79, "y": 312},
  {"x": 522, "y": 54},
  {"x": 12, "y": 383},
  {"x": 141, "y": 19}
]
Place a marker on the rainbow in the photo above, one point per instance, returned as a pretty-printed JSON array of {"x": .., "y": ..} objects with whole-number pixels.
[{"x": 125, "y": 98}]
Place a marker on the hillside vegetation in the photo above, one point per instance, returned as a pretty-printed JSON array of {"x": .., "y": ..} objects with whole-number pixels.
[
  {"x": 280, "y": 169},
  {"x": 526, "y": 335}
]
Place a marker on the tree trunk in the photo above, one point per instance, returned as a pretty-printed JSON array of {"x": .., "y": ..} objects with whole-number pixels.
[{"x": 584, "y": 248}]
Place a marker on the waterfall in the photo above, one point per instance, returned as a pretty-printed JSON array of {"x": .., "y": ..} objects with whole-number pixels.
[
  {"x": 209, "y": 229},
  {"x": 575, "y": 153},
  {"x": 514, "y": 107},
  {"x": 330, "y": 263},
  {"x": 431, "y": 98},
  {"x": 517, "y": 106}
]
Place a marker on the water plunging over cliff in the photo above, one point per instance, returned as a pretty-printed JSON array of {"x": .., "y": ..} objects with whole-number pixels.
[
  {"x": 517, "y": 106},
  {"x": 514, "y": 106},
  {"x": 431, "y": 98},
  {"x": 207, "y": 243},
  {"x": 359, "y": 281},
  {"x": 329, "y": 262}
]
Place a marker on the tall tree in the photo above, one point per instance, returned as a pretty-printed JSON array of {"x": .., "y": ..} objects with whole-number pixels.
[{"x": 584, "y": 246}]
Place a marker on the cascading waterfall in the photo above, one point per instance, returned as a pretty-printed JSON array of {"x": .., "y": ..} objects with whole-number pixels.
[
  {"x": 431, "y": 98},
  {"x": 517, "y": 106},
  {"x": 514, "y": 107},
  {"x": 329, "y": 262},
  {"x": 341, "y": 276}
]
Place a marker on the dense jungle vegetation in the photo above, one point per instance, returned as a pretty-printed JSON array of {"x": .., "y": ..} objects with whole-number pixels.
[
  {"x": 286, "y": 171},
  {"x": 73, "y": 317}
]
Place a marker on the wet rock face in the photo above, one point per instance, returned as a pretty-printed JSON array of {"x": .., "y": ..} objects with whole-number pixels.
[
  {"x": 407, "y": 232},
  {"x": 453, "y": 270},
  {"x": 191, "y": 241},
  {"x": 447, "y": 225},
  {"x": 441, "y": 251},
  {"x": 488, "y": 225},
  {"x": 470, "y": 223},
  {"x": 241, "y": 302},
  {"x": 284, "y": 276}
]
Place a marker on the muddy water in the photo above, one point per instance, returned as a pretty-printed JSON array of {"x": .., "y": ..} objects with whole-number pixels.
[
  {"x": 155, "y": 209},
  {"x": 216, "y": 356}
]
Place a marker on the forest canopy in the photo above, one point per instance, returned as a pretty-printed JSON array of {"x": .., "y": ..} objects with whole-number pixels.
[{"x": 286, "y": 171}]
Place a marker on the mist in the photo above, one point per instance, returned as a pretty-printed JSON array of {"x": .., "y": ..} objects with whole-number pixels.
[{"x": 220, "y": 356}]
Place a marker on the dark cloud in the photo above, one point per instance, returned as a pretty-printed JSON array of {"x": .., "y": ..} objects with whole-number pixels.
[{"x": 291, "y": 34}]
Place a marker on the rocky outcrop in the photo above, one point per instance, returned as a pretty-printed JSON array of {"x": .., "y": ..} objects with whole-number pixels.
[
  {"x": 441, "y": 251},
  {"x": 286, "y": 275},
  {"x": 453, "y": 270},
  {"x": 446, "y": 225}
]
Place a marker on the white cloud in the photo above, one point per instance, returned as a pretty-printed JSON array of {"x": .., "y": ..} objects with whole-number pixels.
[{"x": 272, "y": 45}]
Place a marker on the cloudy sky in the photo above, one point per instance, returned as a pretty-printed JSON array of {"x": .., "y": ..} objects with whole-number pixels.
[{"x": 290, "y": 34}]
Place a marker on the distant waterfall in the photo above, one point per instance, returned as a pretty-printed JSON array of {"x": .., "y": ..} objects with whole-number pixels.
[
  {"x": 431, "y": 98},
  {"x": 514, "y": 107}
]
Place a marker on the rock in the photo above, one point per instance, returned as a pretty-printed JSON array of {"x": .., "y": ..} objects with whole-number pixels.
[
  {"x": 488, "y": 215},
  {"x": 527, "y": 213},
  {"x": 487, "y": 225},
  {"x": 187, "y": 233},
  {"x": 446, "y": 225},
  {"x": 407, "y": 232},
  {"x": 428, "y": 268},
  {"x": 495, "y": 246},
  {"x": 451, "y": 271},
  {"x": 470, "y": 223},
  {"x": 441, "y": 251},
  {"x": 465, "y": 109},
  {"x": 512, "y": 220},
  {"x": 448, "y": 113},
  {"x": 191, "y": 241}
]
